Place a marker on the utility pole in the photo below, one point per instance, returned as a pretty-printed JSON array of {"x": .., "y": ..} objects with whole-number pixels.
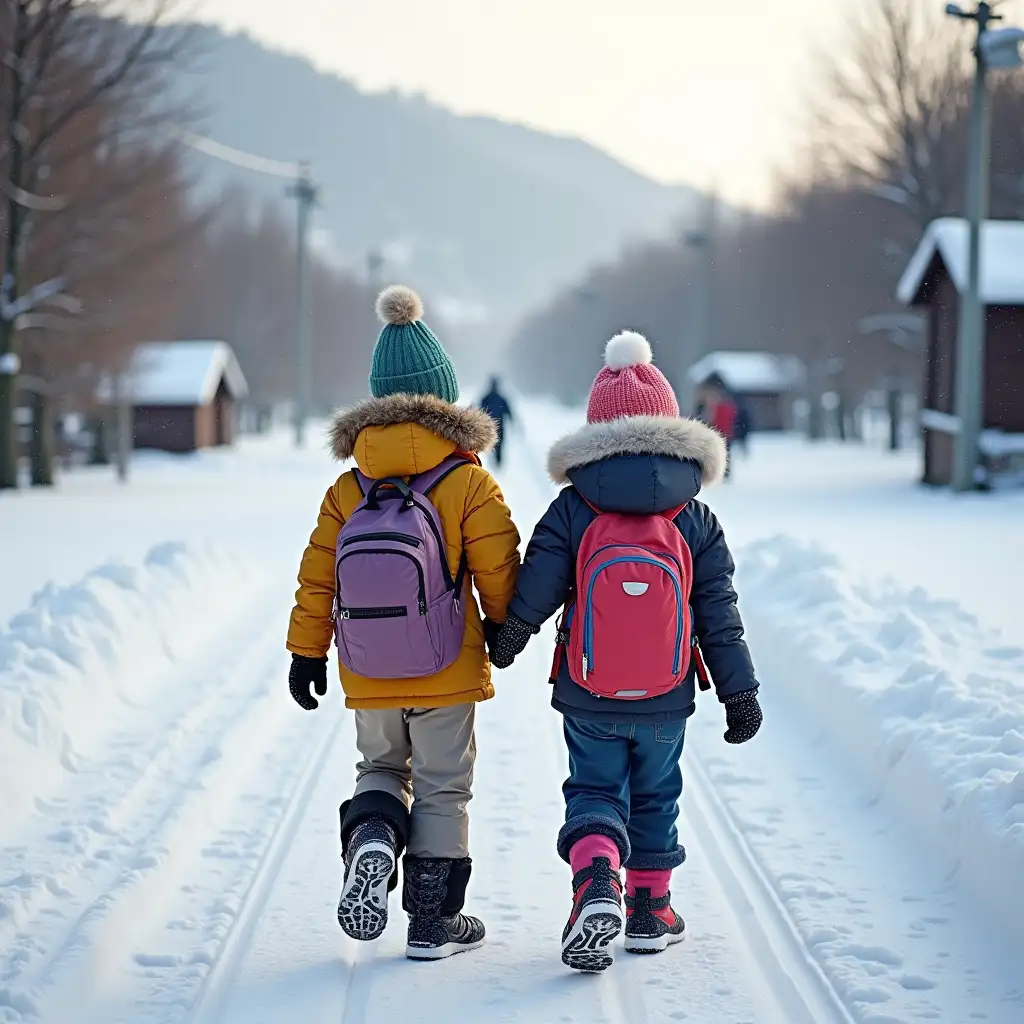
[
  {"x": 701, "y": 240},
  {"x": 993, "y": 49},
  {"x": 305, "y": 193},
  {"x": 970, "y": 345}
]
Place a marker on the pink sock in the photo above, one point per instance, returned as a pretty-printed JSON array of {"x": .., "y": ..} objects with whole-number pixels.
[
  {"x": 584, "y": 851},
  {"x": 656, "y": 881}
]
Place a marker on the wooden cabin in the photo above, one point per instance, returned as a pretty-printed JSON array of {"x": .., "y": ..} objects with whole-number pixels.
[
  {"x": 183, "y": 395},
  {"x": 765, "y": 383},
  {"x": 934, "y": 281}
]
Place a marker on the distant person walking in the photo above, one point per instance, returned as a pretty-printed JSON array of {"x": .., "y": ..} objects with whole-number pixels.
[
  {"x": 718, "y": 409},
  {"x": 496, "y": 406}
]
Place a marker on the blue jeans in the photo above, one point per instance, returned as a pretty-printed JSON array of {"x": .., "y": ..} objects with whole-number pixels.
[{"x": 625, "y": 782}]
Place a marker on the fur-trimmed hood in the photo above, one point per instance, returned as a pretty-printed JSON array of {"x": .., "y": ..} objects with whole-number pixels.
[
  {"x": 469, "y": 430},
  {"x": 683, "y": 439}
]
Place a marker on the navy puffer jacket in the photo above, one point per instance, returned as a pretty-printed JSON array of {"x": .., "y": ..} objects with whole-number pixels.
[{"x": 641, "y": 465}]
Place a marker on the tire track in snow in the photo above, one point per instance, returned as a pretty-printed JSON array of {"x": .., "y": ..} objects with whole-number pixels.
[
  {"x": 118, "y": 854},
  {"x": 209, "y": 1000},
  {"x": 360, "y": 984},
  {"x": 153, "y": 855},
  {"x": 798, "y": 982}
]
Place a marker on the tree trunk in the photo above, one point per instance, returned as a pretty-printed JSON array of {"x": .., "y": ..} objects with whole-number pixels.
[
  {"x": 8, "y": 433},
  {"x": 99, "y": 453},
  {"x": 42, "y": 440},
  {"x": 855, "y": 425},
  {"x": 13, "y": 222},
  {"x": 840, "y": 415},
  {"x": 894, "y": 404},
  {"x": 123, "y": 413},
  {"x": 815, "y": 417}
]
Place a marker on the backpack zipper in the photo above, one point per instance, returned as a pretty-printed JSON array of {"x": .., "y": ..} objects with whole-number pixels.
[
  {"x": 399, "y": 538},
  {"x": 442, "y": 546},
  {"x": 639, "y": 547},
  {"x": 385, "y": 551},
  {"x": 372, "y": 613},
  {"x": 588, "y": 621}
]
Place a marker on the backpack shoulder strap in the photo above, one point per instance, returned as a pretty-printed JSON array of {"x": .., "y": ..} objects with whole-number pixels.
[
  {"x": 363, "y": 482},
  {"x": 671, "y": 514},
  {"x": 424, "y": 483}
]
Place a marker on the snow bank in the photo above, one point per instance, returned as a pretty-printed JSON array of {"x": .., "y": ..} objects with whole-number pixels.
[
  {"x": 931, "y": 703},
  {"x": 80, "y": 654}
]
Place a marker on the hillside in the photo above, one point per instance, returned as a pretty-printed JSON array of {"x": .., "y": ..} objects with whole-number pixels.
[{"x": 472, "y": 209}]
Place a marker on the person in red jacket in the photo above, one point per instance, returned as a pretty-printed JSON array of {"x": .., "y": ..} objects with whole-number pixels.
[{"x": 718, "y": 409}]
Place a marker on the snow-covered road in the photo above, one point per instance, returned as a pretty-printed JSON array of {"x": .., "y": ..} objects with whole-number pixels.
[{"x": 182, "y": 863}]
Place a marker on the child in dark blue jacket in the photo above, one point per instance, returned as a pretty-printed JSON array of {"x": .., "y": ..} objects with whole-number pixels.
[{"x": 635, "y": 456}]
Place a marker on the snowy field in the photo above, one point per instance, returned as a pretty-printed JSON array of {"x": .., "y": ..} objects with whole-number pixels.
[{"x": 168, "y": 817}]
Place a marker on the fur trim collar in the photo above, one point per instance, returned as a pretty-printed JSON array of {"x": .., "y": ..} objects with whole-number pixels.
[
  {"x": 470, "y": 430},
  {"x": 640, "y": 435}
]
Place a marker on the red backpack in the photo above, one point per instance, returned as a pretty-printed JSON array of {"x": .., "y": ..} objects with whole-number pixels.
[{"x": 631, "y": 634}]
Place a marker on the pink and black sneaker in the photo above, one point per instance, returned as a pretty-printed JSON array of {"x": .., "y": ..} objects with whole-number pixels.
[
  {"x": 651, "y": 923},
  {"x": 596, "y": 918}
]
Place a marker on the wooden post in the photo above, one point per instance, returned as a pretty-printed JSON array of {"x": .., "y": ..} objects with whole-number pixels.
[
  {"x": 41, "y": 449},
  {"x": 123, "y": 426}
]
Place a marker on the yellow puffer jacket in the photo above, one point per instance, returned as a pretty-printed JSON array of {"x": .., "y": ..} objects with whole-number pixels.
[{"x": 403, "y": 435}]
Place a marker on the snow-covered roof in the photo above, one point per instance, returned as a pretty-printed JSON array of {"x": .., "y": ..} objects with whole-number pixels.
[
  {"x": 1002, "y": 260},
  {"x": 750, "y": 372},
  {"x": 184, "y": 373}
]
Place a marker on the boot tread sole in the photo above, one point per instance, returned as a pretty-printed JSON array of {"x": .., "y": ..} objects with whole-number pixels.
[
  {"x": 363, "y": 908},
  {"x": 587, "y": 946}
]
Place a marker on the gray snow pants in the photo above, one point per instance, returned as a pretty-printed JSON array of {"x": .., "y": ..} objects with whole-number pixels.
[{"x": 425, "y": 758}]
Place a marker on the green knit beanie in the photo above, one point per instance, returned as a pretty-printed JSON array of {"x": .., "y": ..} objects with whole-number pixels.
[{"x": 408, "y": 358}]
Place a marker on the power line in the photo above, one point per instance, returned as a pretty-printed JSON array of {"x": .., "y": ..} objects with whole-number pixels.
[
  {"x": 238, "y": 157},
  {"x": 306, "y": 194}
]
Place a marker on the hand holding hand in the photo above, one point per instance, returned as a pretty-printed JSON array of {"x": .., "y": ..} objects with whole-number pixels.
[{"x": 511, "y": 641}]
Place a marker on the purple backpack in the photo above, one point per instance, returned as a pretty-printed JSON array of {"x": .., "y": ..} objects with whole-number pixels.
[{"x": 398, "y": 612}]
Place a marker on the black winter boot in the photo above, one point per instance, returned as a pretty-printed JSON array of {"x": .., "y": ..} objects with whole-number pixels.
[
  {"x": 369, "y": 865},
  {"x": 596, "y": 917},
  {"x": 373, "y": 831},
  {"x": 651, "y": 923},
  {"x": 433, "y": 897}
]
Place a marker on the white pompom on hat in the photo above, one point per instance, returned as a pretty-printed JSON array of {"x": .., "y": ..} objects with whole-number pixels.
[
  {"x": 627, "y": 349},
  {"x": 629, "y": 384}
]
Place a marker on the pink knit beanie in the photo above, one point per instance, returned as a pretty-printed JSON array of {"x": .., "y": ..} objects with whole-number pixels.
[{"x": 628, "y": 385}]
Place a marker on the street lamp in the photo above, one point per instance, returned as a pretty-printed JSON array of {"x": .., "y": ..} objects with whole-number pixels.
[{"x": 994, "y": 49}]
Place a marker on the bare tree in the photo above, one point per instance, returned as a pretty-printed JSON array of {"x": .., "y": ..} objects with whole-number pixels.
[
  {"x": 240, "y": 289},
  {"x": 67, "y": 67},
  {"x": 887, "y": 113}
]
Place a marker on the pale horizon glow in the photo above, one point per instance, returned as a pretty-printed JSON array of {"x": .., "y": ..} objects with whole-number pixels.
[{"x": 704, "y": 94}]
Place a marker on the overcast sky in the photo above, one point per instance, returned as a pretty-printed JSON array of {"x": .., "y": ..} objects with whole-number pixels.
[{"x": 697, "y": 91}]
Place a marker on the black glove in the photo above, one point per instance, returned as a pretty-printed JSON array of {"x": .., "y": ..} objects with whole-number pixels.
[
  {"x": 511, "y": 641},
  {"x": 303, "y": 672},
  {"x": 742, "y": 716}
]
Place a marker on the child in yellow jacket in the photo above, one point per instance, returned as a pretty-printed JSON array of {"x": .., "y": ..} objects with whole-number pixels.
[{"x": 415, "y": 733}]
